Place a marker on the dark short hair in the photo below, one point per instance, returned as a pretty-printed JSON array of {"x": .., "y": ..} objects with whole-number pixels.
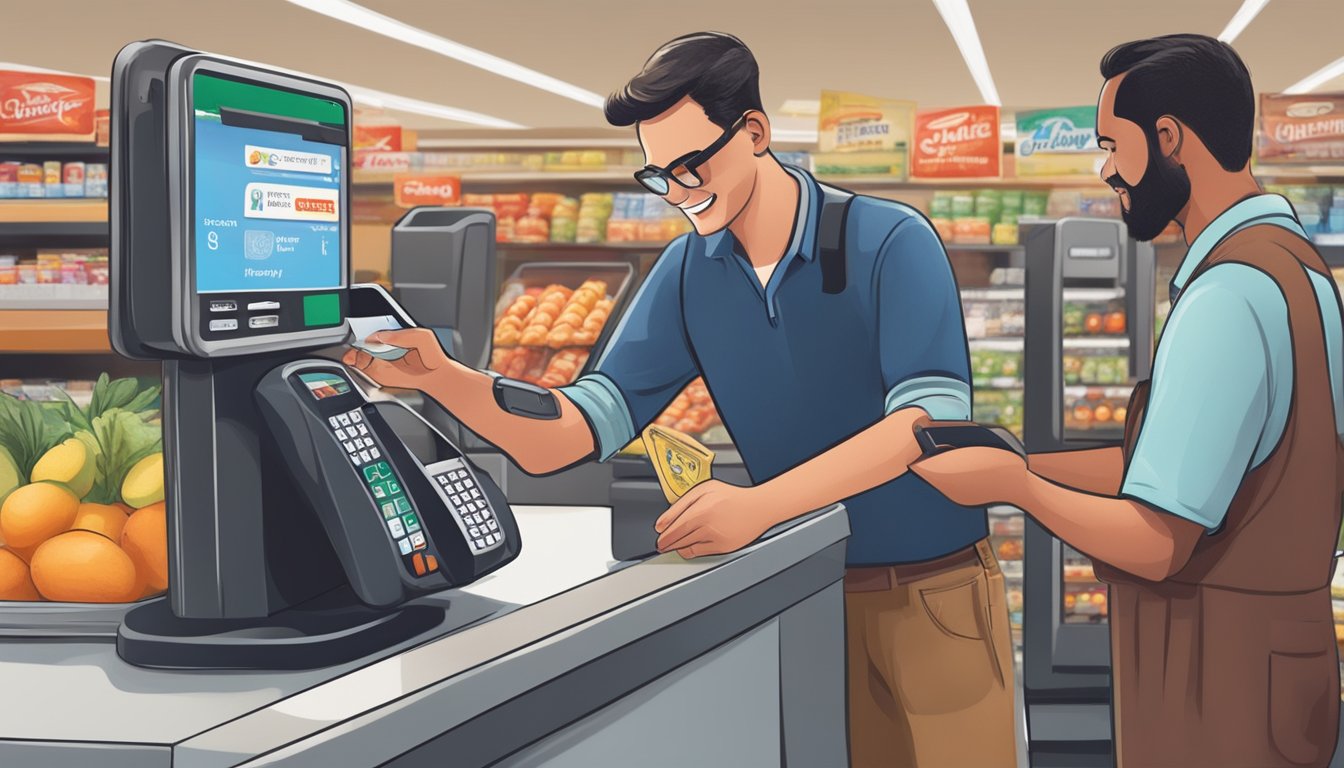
[
  {"x": 1198, "y": 80},
  {"x": 715, "y": 69}
]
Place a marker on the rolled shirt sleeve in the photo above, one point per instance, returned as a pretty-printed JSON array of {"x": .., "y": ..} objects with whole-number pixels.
[
  {"x": 646, "y": 363},
  {"x": 921, "y": 333},
  {"x": 1209, "y": 406}
]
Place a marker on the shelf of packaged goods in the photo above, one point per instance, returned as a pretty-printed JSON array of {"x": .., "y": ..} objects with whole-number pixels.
[
  {"x": 625, "y": 176},
  {"x": 39, "y": 151},
  {"x": 1097, "y": 342},
  {"x": 993, "y": 294},
  {"x": 75, "y": 331},
  {"x": 1007, "y": 383},
  {"x": 999, "y": 344},
  {"x": 33, "y": 212}
]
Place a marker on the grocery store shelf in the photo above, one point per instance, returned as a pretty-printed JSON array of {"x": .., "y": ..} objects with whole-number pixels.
[
  {"x": 53, "y": 297},
  {"x": 53, "y": 210},
  {"x": 1097, "y": 342},
  {"x": 1103, "y": 390},
  {"x": 1332, "y": 253},
  {"x": 1000, "y": 382},
  {"x": 362, "y": 179},
  {"x": 1002, "y": 344},
  {"x": 570, "y": 248},
  {"x": 1299, "y": 171},
  {"x": 1093, "y": 294},
  {"x": 54, "y": 330},
  {"x": 73, "y": 234},
  {"x": 38, "y": 151},
  {"x": 992, "y": 294},
  {"x": 625, "y": 177}
]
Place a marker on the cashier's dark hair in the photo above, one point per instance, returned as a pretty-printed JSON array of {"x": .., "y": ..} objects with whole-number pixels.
[
  {"x": 1198, "y": 80},
  {"x": 715, "y": 69}
]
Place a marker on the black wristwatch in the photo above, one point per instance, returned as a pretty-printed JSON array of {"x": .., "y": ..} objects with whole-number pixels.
[{"x": 527, "y": 400}]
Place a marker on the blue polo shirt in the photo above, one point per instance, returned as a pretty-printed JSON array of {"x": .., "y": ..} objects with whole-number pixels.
[{"x": 794, "y": 371}]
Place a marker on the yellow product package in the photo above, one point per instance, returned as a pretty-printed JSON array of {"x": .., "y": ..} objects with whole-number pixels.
[
  {"x": 859, "y": 134},
  {"x": 680, "y": 461}
]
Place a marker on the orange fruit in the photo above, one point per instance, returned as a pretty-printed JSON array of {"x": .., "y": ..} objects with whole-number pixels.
[
  {"x": 84, "y": 567},
  {"x": 15, "y": 582},
  {"x": 34, "y": 513},
  {"x": 145, "y": 539},
  {"x": 106, "y": 519},
  {"x": 25, "y": 553}
]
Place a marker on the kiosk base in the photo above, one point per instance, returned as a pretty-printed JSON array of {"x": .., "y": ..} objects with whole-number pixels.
[{"x": 332, "y": 629}]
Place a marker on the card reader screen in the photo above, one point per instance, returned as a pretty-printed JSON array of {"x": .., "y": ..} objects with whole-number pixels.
[
  {"x": 268, "y": 207},
  {"x": 324, "y": 385}
]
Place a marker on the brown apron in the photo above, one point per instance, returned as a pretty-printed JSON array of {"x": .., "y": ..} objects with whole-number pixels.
[{"x": 1232, "y": 661}]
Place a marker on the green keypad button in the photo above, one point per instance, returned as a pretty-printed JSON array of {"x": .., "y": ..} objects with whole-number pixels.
[
  {"x": 389, "y": 510},
  {"x": 376, "y": 472},
  {"x": 383, "y": 490},
  {"x": 412, "y": 524},
  {"x": 393, "y": 487},
  {"x": 403, "y": 505}
]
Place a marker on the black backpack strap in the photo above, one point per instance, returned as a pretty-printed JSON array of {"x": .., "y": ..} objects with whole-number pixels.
[{"x": 831, "y": 237}]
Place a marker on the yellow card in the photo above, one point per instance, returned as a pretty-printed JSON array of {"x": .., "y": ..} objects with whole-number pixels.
[{"x": 680, "y": 461}]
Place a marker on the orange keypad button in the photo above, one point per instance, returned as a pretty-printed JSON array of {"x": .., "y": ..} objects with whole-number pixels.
[
  {"x": 418, "y": 561},
  {"x": 432, "y": 563}
]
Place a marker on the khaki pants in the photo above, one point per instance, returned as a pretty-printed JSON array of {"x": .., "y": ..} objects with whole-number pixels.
[{"x": 930, "y": 661}]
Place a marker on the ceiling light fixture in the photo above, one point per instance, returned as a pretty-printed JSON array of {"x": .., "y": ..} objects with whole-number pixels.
[
  {"x": 1318, "y": 78},
  {"x": 957, "y": 15},
  {"x": 372, "y": 21},
  {"x": 1248, "y": 11},
  {"x": 382, "y": 100},
  {"x": 26, "y": 68}
]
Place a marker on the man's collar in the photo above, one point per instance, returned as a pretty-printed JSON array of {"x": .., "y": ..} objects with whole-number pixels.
[
  {"x": 802, "y": 243},
  {"x": 1252, "y": 210}
]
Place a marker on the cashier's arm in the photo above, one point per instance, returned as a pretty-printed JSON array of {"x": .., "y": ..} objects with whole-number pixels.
[
  {"x": 1097, "y": 470},
  {"x": 537, "y": 446},
  {"x": 715, "y": 517}
]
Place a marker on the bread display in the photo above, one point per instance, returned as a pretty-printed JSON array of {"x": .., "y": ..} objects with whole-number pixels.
[{"x": 557, "y": 323}]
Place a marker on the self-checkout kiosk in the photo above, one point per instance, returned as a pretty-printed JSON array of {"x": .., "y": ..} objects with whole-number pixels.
[{"x": 300, "y": 525}]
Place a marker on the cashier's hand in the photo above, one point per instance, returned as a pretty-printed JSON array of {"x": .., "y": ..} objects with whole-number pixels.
[
  {"x": 974, "y": 477},
  {"x": 711, "y": 519},
  {"x": 411, "y": 370}
]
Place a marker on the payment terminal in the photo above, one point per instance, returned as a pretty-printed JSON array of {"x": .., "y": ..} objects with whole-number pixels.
[
  {"x": 406, "y": 525},
  {"x": 301, "y": 527}
]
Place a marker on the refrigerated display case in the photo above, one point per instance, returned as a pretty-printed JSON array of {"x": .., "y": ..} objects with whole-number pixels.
[
  {"x": 991, "y": 279},
  {"x": 1090, "y": 294}
]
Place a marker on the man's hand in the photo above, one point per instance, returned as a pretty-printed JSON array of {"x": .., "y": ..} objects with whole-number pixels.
[
  {"x": 713, "y": 518},
  {"x": 413, "y": 370},
  {"x": 974, "y": 477}
]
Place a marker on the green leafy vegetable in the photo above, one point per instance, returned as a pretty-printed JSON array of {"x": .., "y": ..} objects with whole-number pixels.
[
  {"x": 123, "y": 439},
  {"x": 28, "y": 430},
  {"x": 121, "y": 393}
]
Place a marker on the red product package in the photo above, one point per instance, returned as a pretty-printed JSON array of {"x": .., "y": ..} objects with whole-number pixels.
[
  {"x": 39, "y": 105},
  {"x": 958, "y": 143}
]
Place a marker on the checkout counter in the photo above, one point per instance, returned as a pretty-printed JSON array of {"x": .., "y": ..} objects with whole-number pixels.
[
  {"x": 346, "y": 586},
  {"x": 561, "y": 658}
]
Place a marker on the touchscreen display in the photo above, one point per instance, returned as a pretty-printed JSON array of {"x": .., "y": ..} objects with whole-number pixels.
[
  {"x": 324, "y": 385},
  {"x": 268, "y": 165}
]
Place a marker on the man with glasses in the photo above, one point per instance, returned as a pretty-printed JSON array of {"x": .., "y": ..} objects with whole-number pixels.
[{"x": 826, "y": 328}]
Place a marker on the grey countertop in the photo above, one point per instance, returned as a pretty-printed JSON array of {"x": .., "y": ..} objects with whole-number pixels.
[{"x": 561, "y": 603}]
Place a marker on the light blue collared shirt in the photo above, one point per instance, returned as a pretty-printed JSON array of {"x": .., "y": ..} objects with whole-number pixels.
[{"x": 1223, "y": 375}]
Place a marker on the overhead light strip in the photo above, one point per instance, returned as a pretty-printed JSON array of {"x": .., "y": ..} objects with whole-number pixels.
[
  {"x": 1318, "y": 78},
  {"x": 1249, "y": 10},
  {"x": 372, "y": 21},
  {"x": 957, "y": 15},
  {"x": 382, "y": 100}
]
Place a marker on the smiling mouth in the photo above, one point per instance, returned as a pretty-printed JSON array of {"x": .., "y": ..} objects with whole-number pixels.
[
  {"x": 701, "y": 207},
  {"x": 1124, "y": 198}
]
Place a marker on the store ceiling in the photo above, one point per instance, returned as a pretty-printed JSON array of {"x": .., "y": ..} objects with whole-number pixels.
[{"x": 895, "y": 48}]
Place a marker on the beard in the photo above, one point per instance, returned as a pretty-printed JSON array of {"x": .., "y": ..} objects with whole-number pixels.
[{"x": 1154, "y": 202}]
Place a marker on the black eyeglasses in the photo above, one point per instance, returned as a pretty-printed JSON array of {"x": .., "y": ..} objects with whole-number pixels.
[{"x": 685, "y": 169}]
